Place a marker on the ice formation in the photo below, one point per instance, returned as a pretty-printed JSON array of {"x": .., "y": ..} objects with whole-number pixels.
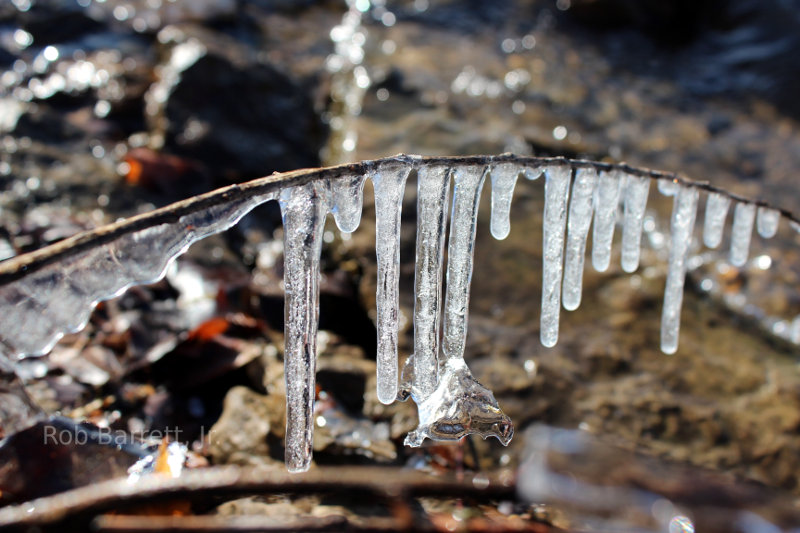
[
  {"x": 49, "y": 293},
  {"x": 580, "y": 218},
  {"x": 389, "y": 187},
  {"x": 556, "y": 192},
  {"x": 742, "y": 230},
  {"x": 716, "y": 210},
  {"x": 433, "y": 188},
  {"x": 636, "y": 190},
  {"x": 605, "y": 219},
  {"x": 684, "y": 210}
]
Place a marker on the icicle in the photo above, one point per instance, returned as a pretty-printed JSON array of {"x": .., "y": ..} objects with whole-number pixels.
[
  {"x": 433, "y": 188},
  {"x": 684, "y": 210},
  {"x": 460, "y": 405},
  {"x": 504, "y": 177},
  {"x": 389, "y": 188},
  {"x": 767, "y": 222},
  {"x": 464, "y": 219},
  {"x": 59, "y": 298},
  {"x": 636, "y": 191},
  {"x": 716, "y": 210},
  {"x": 605, "y": 218},
  {"x": 794, "y": 332},
  {"x": 580, "y": 217},
  {"x": 556, "y": 193},
  {"x": 668, "y": 187},
  {"x": 348, "y": 195},
  {"x": 303, "y": 209},
  {"x": 741, "y": 232},
  {"x": 532, "y": 173}
]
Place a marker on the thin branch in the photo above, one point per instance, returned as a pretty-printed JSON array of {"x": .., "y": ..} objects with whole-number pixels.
[
  {"x": 18, "y": 267},
  {"x": 232, "y": 481}
]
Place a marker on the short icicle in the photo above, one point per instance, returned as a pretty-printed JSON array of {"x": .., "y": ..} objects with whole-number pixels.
[
  {"x": 635, "y": 191},
  {"x": 303, "y": 209},
  {"x": 504, "y": 178},
  {"x": 389, "y": 188},
  {"x": 741, "y": 232},
  {"x": 767, "y": 222},
  {"x": 605, "y": 218},
  {"x": 716, "y": 210},
  {"x": 684, "y": 210},
  {"x": 347, "y": 199},
  {"x": 580, "y": 218},
  {"x": 556, "y": 193},
  {"x": 433, "y": 189},
  {"x": 460, "y": 405}
]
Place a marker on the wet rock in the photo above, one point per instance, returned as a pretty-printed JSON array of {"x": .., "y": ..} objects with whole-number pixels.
[
  {"x": 215, "y": 101},
  {"x": 53, "y": 21},
  {"x": 240, "y": 434}
]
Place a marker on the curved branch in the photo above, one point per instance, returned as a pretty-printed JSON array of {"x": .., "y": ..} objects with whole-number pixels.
[{"x": 22, "y": 265}]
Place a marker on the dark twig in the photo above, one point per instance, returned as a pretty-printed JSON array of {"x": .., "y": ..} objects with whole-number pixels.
[{"x": 19, "y": 266}]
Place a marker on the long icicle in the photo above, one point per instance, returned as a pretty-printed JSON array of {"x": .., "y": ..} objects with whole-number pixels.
[
  {"x": 684, "y": 210},
  {"x": 463, "y": 221},
  {"x": 556, "y": 192},
  {"x": 580, "y": 218},
  {"x": 636, "y": 191},
  {"x": 504, "y": 178},
  {"x": 303, "y": 209},
  {"x": 460, "y": 405},
  {"x": 389, "y": 188},
  {"x": 605, "y": 218},
  {"x": 433, "y": 189}
]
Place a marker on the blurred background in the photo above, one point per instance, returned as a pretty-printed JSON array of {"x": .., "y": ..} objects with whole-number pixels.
[{"x": 110, "y": 108}]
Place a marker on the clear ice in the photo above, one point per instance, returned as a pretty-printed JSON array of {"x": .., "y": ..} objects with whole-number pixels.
[
  {"x": 716, "y": 210},
  {"x": 684, "y": 210},
  {"x": 347, "y": 196},
  {"x": 40, "y": 306},
  {"x": 605, "y": 218},
  {"x": 59, "y": 297},
  {"x": 389, "y": 187},
  {"x": 303, "y": 209},
  {"x": 460, "y": 405},
  {"x": 741, "y": 232},
  {"x": 636, "y": 190},
  {"x": 460, "y": 251},
  {"x": 433, "y": 188},
  {"x": 580, "y": 218},
  {"x": 767, "y": 222},
  {"x": 504, "y": 178},
  {"x": 556, "y": 192}
]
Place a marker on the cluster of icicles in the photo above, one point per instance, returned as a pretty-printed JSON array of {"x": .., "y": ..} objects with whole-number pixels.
[{"x": 36, "y": 308}]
